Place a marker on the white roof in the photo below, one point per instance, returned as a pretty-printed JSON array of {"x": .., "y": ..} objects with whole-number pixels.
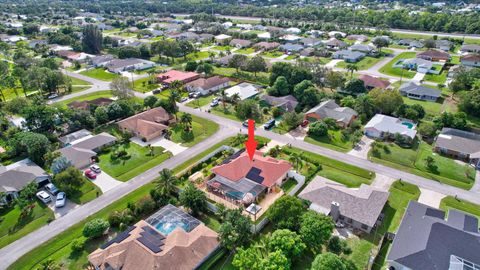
[
  {"x": 291, "y": 37},
  {"x": 222, "y": 36},
  {"x": 244, "y": 90},
  {"x": 264, "y": 35},
  {"x": 333, "y": 33},
  {"x": 391, "y": 125},
  {"x": 294, "y": 30}
]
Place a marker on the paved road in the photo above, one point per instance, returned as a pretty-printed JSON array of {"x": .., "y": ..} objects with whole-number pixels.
[{"x": 14, "y": 251}]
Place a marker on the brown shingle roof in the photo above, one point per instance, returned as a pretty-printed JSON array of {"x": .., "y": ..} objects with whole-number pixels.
[
  {"x": 434, "y": 54},
  {"x": 209, "y": 82},
  {"x": 471, "y": 57},
  {"x": 84, "y": 105},
  {"x": 147, "y": 123},
  {"x": 374, "y": 82}
]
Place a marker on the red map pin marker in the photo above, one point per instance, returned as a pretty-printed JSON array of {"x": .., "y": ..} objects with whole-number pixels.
[{"x": 251, "y": 144}]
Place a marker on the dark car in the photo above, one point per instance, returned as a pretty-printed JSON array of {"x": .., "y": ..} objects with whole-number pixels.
[
  {"x": 270, "y": 124},
  {"x": 305, "y": 123}
]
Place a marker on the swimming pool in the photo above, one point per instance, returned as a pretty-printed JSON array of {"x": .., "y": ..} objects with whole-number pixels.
[
  {"x": 167, "y": 219},
  {"x": 408, "y": 124},
  {"x": 166, "y": 226}
]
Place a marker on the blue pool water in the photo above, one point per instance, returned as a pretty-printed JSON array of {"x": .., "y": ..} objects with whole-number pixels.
[
  {"x": 408, "y": 124},
  {"x": 166, "y": 227}
]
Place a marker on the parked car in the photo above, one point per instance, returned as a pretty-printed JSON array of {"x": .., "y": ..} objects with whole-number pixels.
[
  {"x": 190, "y": 94},
  {"x": 90, "y": 174},
  {"x": 214, "y": 103},
  {"x": 183, "y": 99},
  {"x": 305, "y": 123},
  {"x": 157, "y": 91},
  {"x": 95, "y": 168},
  {"x": 61, "y": 199},
  {"x": 245, "y": 124},
  {"x": 52, "y": 188},
  {"x": 270, "y": 124},
  {"x": 44, "y": 196},
  {"x": 52, "y": 96},
  {"x": 196, "y": 95}
]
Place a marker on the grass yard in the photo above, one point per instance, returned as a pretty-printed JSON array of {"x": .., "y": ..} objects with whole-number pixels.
[
  {"x": 245, "y": 51},
  {"x": 455, "y": 60},
  {"x": 361, "y": 249},
  {"x": 201, "y": 129},
  {"x": 99, "y": 74},
  {"x": 289, "y": 185},
  {"x": 440, "y": 78},
  {"x": 291, "y": 57},
  {"x": 451, "y": 202},
  {"x": 432, "y": 108},
  {"x": 322, "y": 60},
  {"x": 262, "y": 78},
  {"x": 333, "y": 141},
  {"x": 92, "y": 96},
  {"x": 11, "y": 229},
  {"x": 445, "y": 170},
  {"x": 223, "y": 48},
  {"x": 143, "y": 85},
  {"x": 88, "y": 192},
  {"x": 363, "y": 64},
  {"x": 229, "y": 112},
  {"x": 272, "y": 54},
  {"x": 200, "y": 102},
  {"x": 76, "y": 81},
  {"x": 389, "y": 70},
  {"x": 193, "y": 57},
  {"x": 139, "y": 161}
]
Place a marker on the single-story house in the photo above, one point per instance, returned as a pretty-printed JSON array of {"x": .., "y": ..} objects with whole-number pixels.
[
  {"x": 307, "y": 51},
  {"x": 290, "y": 38},
  {"x": 444, "y": 45},
  {"x": 119, "y": 65},
  {"x": 267, "y": 46},
  {"x": 344, "y": 116},
  {"x": 147, "y": 125},
  {"x": 361, "y": 38},
  {"x": 335, "y": 44},
  {"x": 384, "y": 126},
  {"x": 205, "y": 37},
  {"x": 244, "y": 90},
  {"x": 81, "y": 151},
  {"x": 356, "y": 208},
  {"x": 369, "y": 50},
  {"x": 38, "y": 42},
  {"x": 470, "y": 60},
  {"x": 348, "y": 55},
  {"x": 225, "y": 60},
  {"x": 190, "y": 36},
  {"x": 374, "y": 82},
  {"x": 434, "y": 55},
  {"x": 168, "y": 238},
  {"x": 290, "y": 47},
  {"x": 429, "y": 239},
  {"x": 176, "y": 75},
  {"x": 335, "y": 33},
  {"x": 88, "y": 104},
  {"x": 241, "y": 180},
  {"x": 240, "y": 43},
  {"x": 264, "y": 35},
  {"x": 310, "y": 42},
  {"x": 14, "y": 177},
  {"x": 71, "y": 138},
  {"x": 287, "y": 103},
  {"x": 415, "y": 91},
  {"x": 222, "y": 39},
  {"x": 418, "y": 64},
  {"x": 293, "y": 30},
  {"x": 470, "y": 48},
  {"x": 460, "y": 144},
  {"x": 206, "y": 86},
  {"x": 101, "y": 60}
]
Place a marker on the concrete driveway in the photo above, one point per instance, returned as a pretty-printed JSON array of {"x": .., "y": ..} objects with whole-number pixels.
[
  {"x": 430, "y": 197},
  {"x": 382, "y": 182},
  {"x": 105, "y": 182},
  {"x": 362, "y": 148},
  {"x": 59, "y": 212},
  {"x": 174, "y": 148}
]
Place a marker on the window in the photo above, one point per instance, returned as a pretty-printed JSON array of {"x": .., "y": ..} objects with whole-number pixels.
[{"x": 365, "y": 227}]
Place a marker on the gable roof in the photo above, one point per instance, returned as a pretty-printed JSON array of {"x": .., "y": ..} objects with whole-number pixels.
[
  {"x": 363, "y": 204},
  {"x": 288, "y": 102},
  {"x": 459, "y": 140},
  {"x": 241, "y": 42},
  {"x": 148, "y": 122},
  {"x": 385, "y": 123},
  {"x": 471, "y": 57},
  {"x": 208, "y": 83},
  {"x": 85, "y": 105},
  {"x": 434, "y": 54},
  {"x": 330, "y": 109},
  {"x": 270, "y": 169},
  {"x": 18, "y": 175},
  {"x": 361, "y": 48},
  {"x": 267, "y": 45},
  {"x": 425, "y": 240},
  {"x": 413, "y": 88},
  {"x": 374, "y": 82},
  {"x": 176, "y": 75},
  {"x": 335, "y": 43},
  {"x": 348, "y": 54},
  {"x": 96, "y": 141}
]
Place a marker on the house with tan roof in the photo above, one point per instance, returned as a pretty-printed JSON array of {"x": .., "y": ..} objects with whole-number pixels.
[
  {"x": 241, "y": 180},
  {"x": 267, "y": 46},
  {"x": 373, "y": 82},
  {"x": 206, "y": 86},
  {"x": 149, "y": 124},
  {"x": 470, "y": 60},
  {"x": 169, "y": 239},
  {"x": 344, "y": 116},
  {"x": 434, "y": 55}
]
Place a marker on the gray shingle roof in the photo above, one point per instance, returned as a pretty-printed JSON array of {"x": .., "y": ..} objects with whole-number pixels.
[
  {"x": 425, "y": 240},
  {"x": 16, "y": 178},
  {"x": 330, "y": 109},
  {"x": 363, "y": 205},
  {"x": 287, "y": 102},
  {"x": 412, "y": 88},
  {"x": 458, "y": 140},
  {"x": 96, "y": 141}
]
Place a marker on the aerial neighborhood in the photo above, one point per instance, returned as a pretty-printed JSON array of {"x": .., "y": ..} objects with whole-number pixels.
[{"x": 311, "y": 135}]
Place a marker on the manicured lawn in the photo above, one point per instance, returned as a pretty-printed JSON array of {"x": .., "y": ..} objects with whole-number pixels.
[
  {"x": 455, "y": 60},
  {"x": 363, "y": 64},
  {"x": 76, "y": 81},
  {"x": 333, "y": 141},
  {"x": 289, "y": 185},
  {"x": 88, "y": 192},
  {"x": 100, "y": 74},
  {"x": 360, "y": 251},
  {"x": 291, "y": 57},
  {"x": 322, "y": 60},
  {"x": 412, "y": 160},
  {"x": 223, "y": 48},
  {"x": 401, "y": 193},
  {"x": 272, "y": 54},
  {"x": 245, "y": 51},
  {"x": 261, "y": 78},
  {"x": 92, "y": 96},
  {"x": 201, "y": 129},
  {"x": 139, "y": 161},
  {"x": 193, "y": 57},
  {"x": 389, "y": 70},
  {"x": 440, "y": 78},
  {"x": 432, "y": 108},
  {"x": 200, "y": 102},
  {"x": 450, "y": 202},
  {"x": 11, "y": 229},
  {"x": 144, "y": 85},
  {"x": 229, "y": 112}
]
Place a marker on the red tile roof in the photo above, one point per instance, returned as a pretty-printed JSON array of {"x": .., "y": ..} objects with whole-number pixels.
[
  {"x": 175, "y": 75},
  {"x": 271, "y": 169},
  {"x": 471, "y": 57},
  {"x": 374, "y": 82}
]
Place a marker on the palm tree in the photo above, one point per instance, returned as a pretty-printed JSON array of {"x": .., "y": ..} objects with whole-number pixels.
[
  {"x": 165, "y": 184},
  {"x": 238, "y": 140},
  {"x": 235, "y": 98},
  {"x": 186, "y": 120},
  {"x": 49, "y": 265},
  {"x": 223, "y": 95},
  {"x": 173, "y": 99},
  {"x": 296, "y": 160},
  {"x": 352, "y": 68}
]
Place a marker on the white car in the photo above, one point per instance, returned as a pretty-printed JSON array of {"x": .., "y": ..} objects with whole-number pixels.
[
  {"x": 44, "y": 196},
  {"x": 52, "y": 96},
  {"x": 95, "y": 168},
  {"x": 52, "y": 188},
  {"x": 60, "y": 200},
  {"x": 214, "y": 103}
]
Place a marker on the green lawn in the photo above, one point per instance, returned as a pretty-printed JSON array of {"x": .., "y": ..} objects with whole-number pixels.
[
  {"x": 200, "y": 102},
  {"x": 450, "y": 202},
  {"x": 291, "y": 57},
  {"x": 440, "y": 78},
  {"x": 360, "y": 251},
  {"x": 363, "y": 64},
  {"x": 245, "y": 51},
  {"x": 138, "y": 162},
  {"x": 262, "y": 78},
  {"x": 223, "y": 48},
  {"x": 144, "y": 85},
  {"x": 272, "y": 54},
  {"x": 76, "y": 81},
  {"x": 100, "y": 74},
  {"x": 389, "y": 70},
  {"x": 11, "y": 229},
  {"x": 333, "y": 141},
  {"x": 432, "y": 108},
  {"x": 201, "y": 129},
  {"x": 193, "y": 57},
  {"x": 229, "y": 112},
  {"x": 92, "y": 96},
  {"x": 455, "y": 60},
  {"x": 88, "y": 192},
  {"x": 289, "y": 185},
  {"x": 412, "y": 160}
]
